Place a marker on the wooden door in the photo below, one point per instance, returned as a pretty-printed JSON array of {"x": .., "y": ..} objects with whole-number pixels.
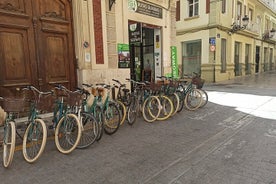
[{"x": 36, "y": 44}]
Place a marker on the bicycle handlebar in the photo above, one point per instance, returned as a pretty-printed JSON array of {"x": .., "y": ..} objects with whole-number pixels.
[
  {"x": 37, "y": 90},
  {"x": 136, "y": 82}
]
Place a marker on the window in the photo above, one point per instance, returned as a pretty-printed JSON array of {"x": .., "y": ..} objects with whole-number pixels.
[
  {"x": 191, "y": 57},
  {"x": 193, "y": 8},
  {"x": 223, "y": 6},
  {"x": 223, "y": 55},
  {"x": 250, "y": 14},
  {"x": 239, "y": 10}
]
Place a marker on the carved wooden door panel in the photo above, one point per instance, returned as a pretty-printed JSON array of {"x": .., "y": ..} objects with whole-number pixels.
[
  {"x": 54, "y": 40},
  {"x": 36, "y": 44}
]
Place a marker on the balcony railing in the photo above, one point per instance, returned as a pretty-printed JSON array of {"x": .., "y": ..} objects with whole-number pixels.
[{"x": 254, "y": 27}]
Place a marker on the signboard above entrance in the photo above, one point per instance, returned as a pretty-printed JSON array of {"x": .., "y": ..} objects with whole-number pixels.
[{"x": 145, "y": 8}]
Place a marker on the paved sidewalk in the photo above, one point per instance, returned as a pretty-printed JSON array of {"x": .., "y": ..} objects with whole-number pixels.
[{"x": 217, "y": 144}]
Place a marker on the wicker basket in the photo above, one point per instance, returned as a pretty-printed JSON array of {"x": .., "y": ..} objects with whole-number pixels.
[
  {"x": 13, "y": 104},
  {"x": 46, "y": 103},
  {"x": 100, "y": 91},
  {"x": 198, "y": 82},
  {"x": 74, "y": 99},
  {"x": 94, "y": 91},
  {"x": 154, "y": 86}
]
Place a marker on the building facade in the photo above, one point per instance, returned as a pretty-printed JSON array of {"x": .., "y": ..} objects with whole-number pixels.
[
  {"x": 126, "y": 38},
  {"x": 71, "y": 42},
  {"x": 225, "y": 39}
]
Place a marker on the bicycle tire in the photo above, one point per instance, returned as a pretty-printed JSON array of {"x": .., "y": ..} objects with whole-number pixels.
[
  {"x": 180, "y": 91},
  {"x": 204, "y": 98},
  {"x": 9, "y": 143},
  {"x": 151, "y": 109},
  {"x": 123, "y": 111},
  {"x": 67, "y": 125},
  {"x": 193, "y": 99},
  {"x": 166, "y": 108},
  {"x": 176, "y": 102},
  {"x": 132, "y": 111},
  {"x": 90, "y": 130},
  {"x": 34, "y": 140},
  {"x": 98, "y": 114},
  {"x": 111, "y": 118}
]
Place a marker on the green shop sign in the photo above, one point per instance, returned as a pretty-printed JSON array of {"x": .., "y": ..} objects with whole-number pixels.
[
  {"x": 123, "y": 55},
  {"x": 174, "y": 62}
]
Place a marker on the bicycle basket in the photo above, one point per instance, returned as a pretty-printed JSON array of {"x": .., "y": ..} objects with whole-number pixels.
[
  {"x": 13, "y": 104},
  {"x": 74, "y": 99},
  {"x": 154, "y": 86},
  {"x": 94, "y": 91},
  {"x": 46, "y": 103},
  {"x": 198, "y": 82}
]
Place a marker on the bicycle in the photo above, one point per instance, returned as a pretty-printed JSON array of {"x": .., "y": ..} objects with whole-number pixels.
[
  {"x": 122, "y": 99},
  {"x": 189, "y": 95},
  {"x": 35, "y": 136},
  {"x": 9, "y": 127},
  {"x": 166, "y": 105},
  {"x": 66, "y": 124},
  {"x": 199, "y": 82},
  {"x": 168, "y": 88},
  {"x": 145, "y": 101},
  {"x": 135, "y": 102},
  {"x": 105, "y": 111},
  {"x": 90, "y": 126}
]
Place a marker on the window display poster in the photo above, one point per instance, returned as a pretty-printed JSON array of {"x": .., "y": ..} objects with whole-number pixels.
[{"x": 123, "y": 55}]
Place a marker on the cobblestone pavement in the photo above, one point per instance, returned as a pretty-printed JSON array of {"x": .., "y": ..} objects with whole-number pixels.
[{"x": 217, "y": 144}]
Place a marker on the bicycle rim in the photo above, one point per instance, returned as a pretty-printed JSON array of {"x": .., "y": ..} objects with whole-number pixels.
[
  {"x": 151, "y": 109},
  {"x": 111, "y": 119},
  {"x": 193, "y": 100},
  {"x": 204, "y": 98},
  {"x": 90, "y": 130},
  {"x": 166, "y": 108},
  {"x": 176, "y": 102},
  {"x": 122, "y": 109},
  {"x": 34, "y": 140},
  {"x": 8, "y": 143},
  {"x": 132, "y": 112},
  {"x": 67, "y": 133},
  {"x": 98, "y": 115}
]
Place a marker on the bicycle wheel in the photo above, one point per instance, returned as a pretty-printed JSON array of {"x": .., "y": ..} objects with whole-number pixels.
[
  {"x": 193, "y": 99},
  {"x": 34, "y": 140},
  {"x": 176, "y": 101},
  {"x": 67, "y": 133},
  {"x": 90, "y": 130},
  {"x": 132, "y": 111},
  {"x": 180, "y": 91},
  {"x": 151, "y": 109},
  {"x": 204, "y": 98},
  {"x": 122, "y": 109},
  {"x": 166, "y": 108},
  {"x": 98, "y": 114},
  {"x": 111, "y": 118},
  {"x": 8, "y": 143}
]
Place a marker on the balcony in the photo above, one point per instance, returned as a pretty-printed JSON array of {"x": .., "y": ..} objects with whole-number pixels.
[{"x": 254, "y": 27}]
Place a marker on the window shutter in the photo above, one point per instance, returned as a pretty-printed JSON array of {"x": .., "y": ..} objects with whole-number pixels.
[
  {"x": 207, "y": 6},
  {"x": 177, "y": 10}
]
